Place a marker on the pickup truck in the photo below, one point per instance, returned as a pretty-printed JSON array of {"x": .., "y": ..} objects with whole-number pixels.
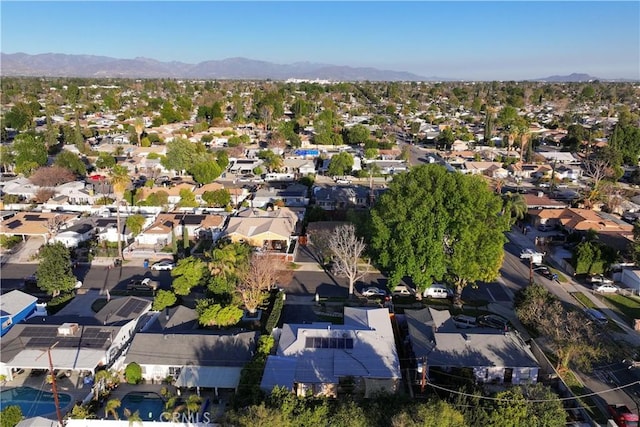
[
  {"x": 142, "y": 285},
  {"x": 623, "y": 416}
]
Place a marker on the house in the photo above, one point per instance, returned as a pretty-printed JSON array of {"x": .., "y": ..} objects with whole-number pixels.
[
  {"x": 573, "y": 219},
  {"x": 15, "y": 306},
  {"x": 192, "y": 357},
  {"x": 169, "y": 225},
  {"x": 173, "y": 193},
  {"x": 560, "y": 157},
  {"x": 300, "y": 167},
  {"x": 271, "y": 230},
  {"x": 22, "y": 187},
  {"x": 568, "y": 172},
  {"x": 36, "y": 224},
  {"x": 489, "y": 355},
  {"x": 72, "y": 236},
  {"x": 483, "y": 168},
  {"x": 106, "y": 230},
  {"x": 630, "y": 277},
  {"x": 213, "y": 186},
  {"x": 293, "y": 195},
  {"x": 539, "y": 200},
  {"x": 341, "y": 197},
  {"x": 323, "y": 359},
  {"x": 77, "y": 343}
]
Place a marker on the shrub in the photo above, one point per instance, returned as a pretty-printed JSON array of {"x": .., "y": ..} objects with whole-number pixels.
[
  {"x": 276, "y": 311},
  {"x": 10, "y": 416},
  {"x": 133, "y": 373},
  {"x": 8, "y": 242}
]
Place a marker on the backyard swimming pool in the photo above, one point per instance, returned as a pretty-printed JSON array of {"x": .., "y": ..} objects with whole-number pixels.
[
  {"x": 32, "y": 402},
  {"x": 150, "y": 405}
]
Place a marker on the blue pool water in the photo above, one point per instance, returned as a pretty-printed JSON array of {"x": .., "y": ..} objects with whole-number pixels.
[
  {"x": 32, "y": 402},
  {"x": 149, "y": 404}
]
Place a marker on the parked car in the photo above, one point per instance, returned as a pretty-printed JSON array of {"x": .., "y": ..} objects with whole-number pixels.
[
  {"x": 605, "y": 288},
  {"x": 163, "y": 265},
  {"x": 464, "y": 322},
  {"x": 544, "y": 271},
  {"x": 596, "y": 316},
  {"x": 439, "y": 291},
  {"x": 493, "y": 321},
  {"x": 141, "y": 285},
  {"x": 373, "y": 292},
  {"x": 545, "y": 227},
  {"x": 599, "y": 278},
  {"x": 403, "y": 290}
]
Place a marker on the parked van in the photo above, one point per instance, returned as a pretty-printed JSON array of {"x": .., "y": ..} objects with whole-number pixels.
[
  {"x": 464, "y": 322},
  {"x": 437, "y": 290}
]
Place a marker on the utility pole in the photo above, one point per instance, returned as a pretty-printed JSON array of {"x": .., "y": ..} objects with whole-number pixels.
[
  {"x": 423, "y": 381},
  {"x": 54, "y": 386}
]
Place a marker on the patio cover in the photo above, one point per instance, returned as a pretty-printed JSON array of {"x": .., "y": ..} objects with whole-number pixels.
[
  {"x": 62, "y": 358},
  {"x": 209, "y": 376}
]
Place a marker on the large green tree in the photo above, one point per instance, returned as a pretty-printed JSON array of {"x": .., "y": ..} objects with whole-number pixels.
[
  {"x": 433, "y": 225},
  {"x": 340, "y": 164},
  {"x": 29, "y": 153},
  {"x": 54, "y": 273},
  {"x": 189, "y": 272},
  {"x": 71, "y": 161}
]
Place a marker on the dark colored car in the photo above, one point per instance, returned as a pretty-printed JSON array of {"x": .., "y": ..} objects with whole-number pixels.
[
  {"x": 141, "y": 285},
  {"x": 493, "y": 321}
]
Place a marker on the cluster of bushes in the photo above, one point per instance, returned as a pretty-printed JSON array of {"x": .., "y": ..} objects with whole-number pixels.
[{"x": 276, "y": 311}]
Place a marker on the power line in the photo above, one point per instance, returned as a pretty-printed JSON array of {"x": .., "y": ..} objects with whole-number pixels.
[{"x": 498, "y": 399}]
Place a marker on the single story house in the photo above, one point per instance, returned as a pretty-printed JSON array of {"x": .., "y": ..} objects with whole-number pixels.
[
  {"x": 301, "y": 167},
  {"x": 36, "y": 224},
  {"x": 489, "y": 355},
  {"x": 271, "y": 230},
  {"x": 77, "y": 343},
  {"x": 324, "y": 359},
  {"x": 293, "y": 195},
  {"x": 76, "y": 234},
  {"x": 192, "y": 357},
  {"x": 341, "y": 197},
  {"x": 15, "y": 306}
]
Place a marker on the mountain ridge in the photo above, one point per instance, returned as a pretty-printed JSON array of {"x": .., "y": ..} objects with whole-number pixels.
[{"x": 234, "y": 68}]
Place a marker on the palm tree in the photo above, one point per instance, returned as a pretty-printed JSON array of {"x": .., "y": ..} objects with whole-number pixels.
[
  {"x": 515, "y": 204},
  {"x": 191, "y": 405},
  {"x": 132, "y": 417},
  {"x": 225, "y": 260},
  {"x": 110, "y": 408},
  {"x": 119, "y": 182},
  {"x": 139, "y": 127}
]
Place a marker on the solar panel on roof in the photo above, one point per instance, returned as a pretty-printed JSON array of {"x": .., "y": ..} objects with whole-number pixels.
[
  {"x": 193, "y": 219},
  {"x": 14, "y": 224},
  {"x": 33, "y": 218},
  {"x": 131, "y": 306}
]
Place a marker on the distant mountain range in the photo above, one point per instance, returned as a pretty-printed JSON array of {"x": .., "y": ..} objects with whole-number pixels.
[{"x": 63, "y": 65}]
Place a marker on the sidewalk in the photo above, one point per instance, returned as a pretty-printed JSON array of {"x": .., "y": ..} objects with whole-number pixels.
[{"x": 528, "y": 241}]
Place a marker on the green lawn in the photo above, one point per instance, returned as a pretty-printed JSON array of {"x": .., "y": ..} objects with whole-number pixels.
[
  {"x": 628, "y": 307},
  {"x": 583, "y": 299}
]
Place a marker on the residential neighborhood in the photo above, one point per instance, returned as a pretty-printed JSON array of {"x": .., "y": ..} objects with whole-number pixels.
[{"x": 199, "y": 248}]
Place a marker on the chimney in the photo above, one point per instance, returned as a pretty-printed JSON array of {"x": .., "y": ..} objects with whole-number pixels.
[{"x": 540, "y": 194}]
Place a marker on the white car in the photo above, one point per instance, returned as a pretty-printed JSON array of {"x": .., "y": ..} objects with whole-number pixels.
[
  {"x": 373, "y": 291},
  {"x": 163, "y": 265},
  {"x": 599, "y": 278},
  {"x": 605, "y": 288}
]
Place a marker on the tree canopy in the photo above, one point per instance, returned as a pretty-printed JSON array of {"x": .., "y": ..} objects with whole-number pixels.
[
  {"x": 54, "y": 275},
  {"x": 431, "y": 225},
  {"x": 188, "y": 273},
  {"x": 341, "y": 164}
]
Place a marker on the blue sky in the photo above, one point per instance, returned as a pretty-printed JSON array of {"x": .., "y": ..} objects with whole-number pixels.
[{"x": 468, "y": 40}]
